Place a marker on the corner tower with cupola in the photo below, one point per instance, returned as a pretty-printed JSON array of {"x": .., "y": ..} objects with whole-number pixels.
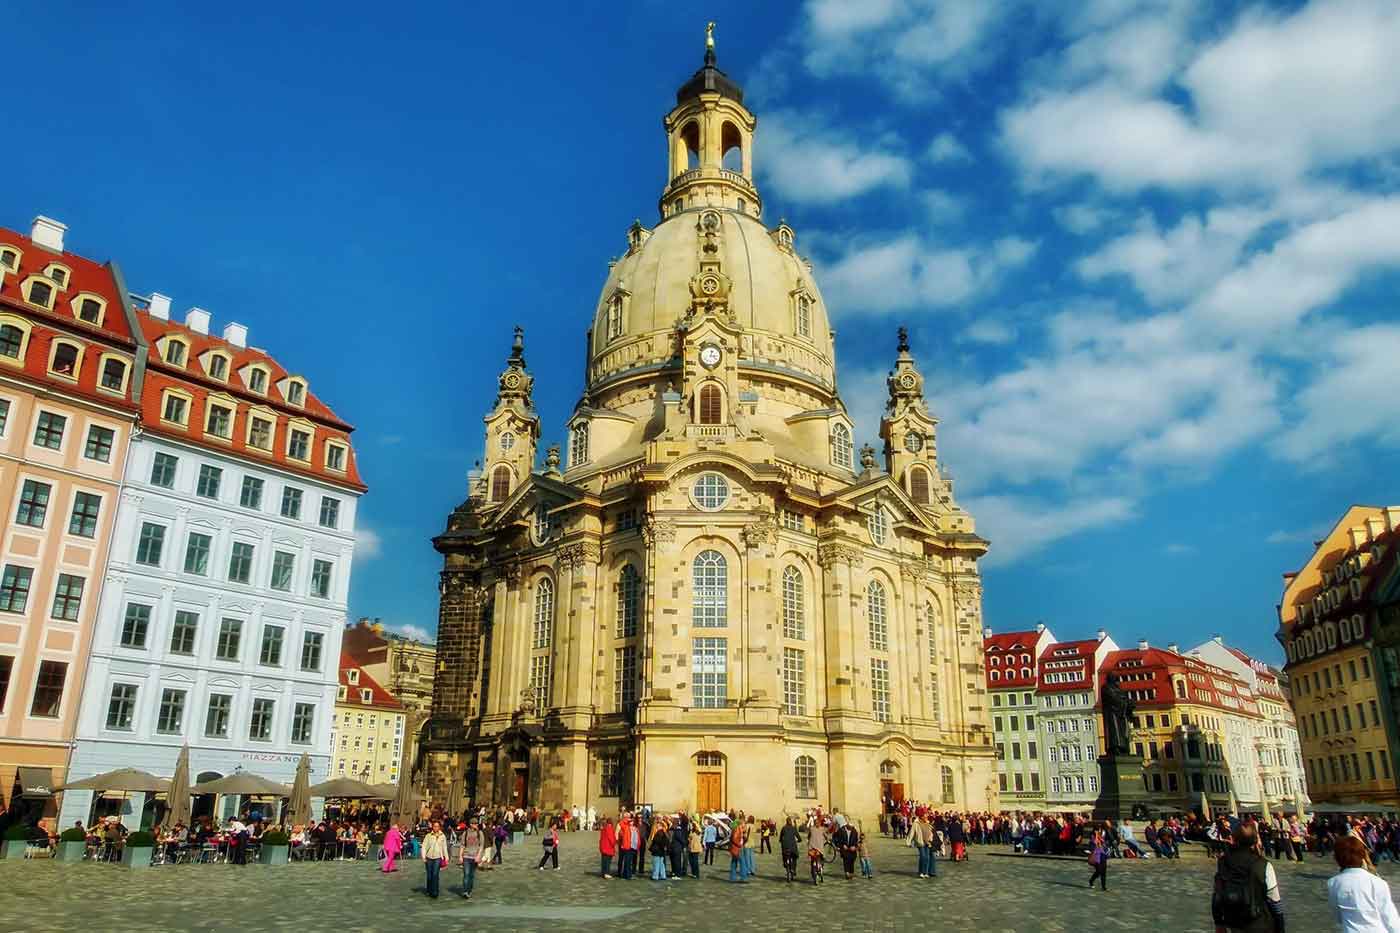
[
  {"x": 709, "y": 603},
  {"x": 907, "y": 428},
  {"x": 512, "y": 427}
]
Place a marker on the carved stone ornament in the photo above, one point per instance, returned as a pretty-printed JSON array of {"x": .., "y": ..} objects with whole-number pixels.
[
  {"x": 659, "y": 531},
  {"x": 510, "y": 573},
  {"x": 761, "y": 532},
  {"x": 913, "y": 570},
  {"x": 579, "y": 556},
  {"x": 829, "y": 555},
  {"x": 527, "y": 702},
  {"x": 454, "y": 585}
]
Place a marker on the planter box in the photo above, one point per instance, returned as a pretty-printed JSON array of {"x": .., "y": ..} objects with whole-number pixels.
[
  {"x": 13, "y": 848},
  {"x": 71, "y": 851},
  {"x": 137, "y": 856},
  {"x": 516, "y": 837},
  {"x": 273, "y": 855}
]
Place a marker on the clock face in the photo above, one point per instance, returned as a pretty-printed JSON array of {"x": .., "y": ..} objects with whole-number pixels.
[
  {"x": 512, "y": 381},
  {"x": 913, "y": 442},
  {"x": 908, "y": 380},
  {"x": 710, "y": 355}
]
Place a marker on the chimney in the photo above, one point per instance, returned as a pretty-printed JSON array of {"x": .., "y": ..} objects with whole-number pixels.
[
  {"x": 236, "y": 334},
  {"x": 48, "y": 233},
  {"x": 1217, "y": 638},
  {"x": 159, "y": 306},
  {"x": 1039, "y": 628},
  {"x": 1101, "y": 634},
  {"x": 1142, "y": 644},
  {"x": 1392, "y": 517},
  {"x": 987, "y": 632},
  {"x": 197, "y": 320},
  {"x": 1173, "y": 648}
]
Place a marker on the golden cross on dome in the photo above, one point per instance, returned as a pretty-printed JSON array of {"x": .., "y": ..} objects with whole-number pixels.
[{"x": 710, "y": 35}]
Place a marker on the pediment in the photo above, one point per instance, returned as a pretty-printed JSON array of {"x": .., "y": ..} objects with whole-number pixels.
[
  {"x": 862, "y": 496},
  {"x": 176, "y": 677}
]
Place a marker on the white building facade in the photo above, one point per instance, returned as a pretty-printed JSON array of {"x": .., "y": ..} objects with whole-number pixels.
[{"x": 220, "y": 619}]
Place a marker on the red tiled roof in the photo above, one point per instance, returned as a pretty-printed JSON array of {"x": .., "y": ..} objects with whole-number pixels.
[
  {"x": 1074, "y": 650},
  {"x": 1010, "y": 645},
  {"x": 378, "y": 695},
  {"x": 1159, "y": 664},
  {"x": 85, "y": 276},
  {"x": 193, "y": 378}
]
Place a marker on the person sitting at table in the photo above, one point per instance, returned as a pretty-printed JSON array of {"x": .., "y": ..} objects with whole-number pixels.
[
  {"x": 112, "y": 840},
  {"x": 172, "y": 839},
  {"x": 237, "y": 842}
]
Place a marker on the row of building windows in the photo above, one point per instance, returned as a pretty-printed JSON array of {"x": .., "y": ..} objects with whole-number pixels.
[
  {"x": 210, "y": 485},
  {"x": 150, "y": 549},
  {"x": 1015, "y": 723},
  {"x": 47, "y": 699},
  {"x": 174, "y": 350},
  {"x": 65, "y": 356},
  {"x": 1068, "y": 724},
  {"x": 14, "y": 593},
  {"x": 136, "y": 634},
  {"x": 51, "y": 427},
  {"x": 1068, "y": 753},
  {"x": 1322, "y": 678},
  {"x": 1031, "y": 750},
  {"x": 1017, "y": 781},
  {"x": 220, "y": 414},
  {"x": 1346, "y": 769},
  {"x": 1025, "y": 674},
  {"x": 997, "y": 660},
  {"x": 1309, "y": 724},
  {"x": 218, "y": 715},
  {"x": 1027, "y": 699}
]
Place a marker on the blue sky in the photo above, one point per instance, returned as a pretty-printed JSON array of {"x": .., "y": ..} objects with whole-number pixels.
[{"x": 1147, "y": 251}]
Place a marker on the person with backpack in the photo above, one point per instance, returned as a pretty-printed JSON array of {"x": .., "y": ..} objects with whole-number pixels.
[
  {"x": 1246, "y": 896},
  {"x": 1098, "y": 860},
  {"x": 787, "y": 844},
  {"x": 1359, "y": 898},
  {"x": 550, "y": 841}
]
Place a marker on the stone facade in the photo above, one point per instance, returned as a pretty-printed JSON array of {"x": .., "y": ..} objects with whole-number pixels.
[{"x": 718, "y": 603}]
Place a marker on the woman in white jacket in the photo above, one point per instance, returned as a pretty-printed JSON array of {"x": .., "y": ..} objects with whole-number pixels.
[{"x": 1360, "y": 900}]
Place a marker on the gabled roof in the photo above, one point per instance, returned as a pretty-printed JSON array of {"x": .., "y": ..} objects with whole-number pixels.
[{"x": 380, "y": 698}]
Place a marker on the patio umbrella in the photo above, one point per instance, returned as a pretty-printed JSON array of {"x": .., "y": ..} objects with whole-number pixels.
[
  {"x": 385, "y": 791},
  {"x": 243, "y": 784},
  {"x": 1234, "y": 805},
  {"x": 1205, "y": 806},
  {"x": 126, "y": 779},
  {"x": 178, "y": 800},
  {"x": 344, "y": 788},
  {"x": 299, "y": 808}
]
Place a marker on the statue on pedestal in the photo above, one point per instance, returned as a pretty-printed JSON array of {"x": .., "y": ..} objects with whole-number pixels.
[{"x": 1118, "y": 709}]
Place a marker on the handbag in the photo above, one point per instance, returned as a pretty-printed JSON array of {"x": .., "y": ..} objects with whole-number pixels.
[{"x": 442, "y": 862}]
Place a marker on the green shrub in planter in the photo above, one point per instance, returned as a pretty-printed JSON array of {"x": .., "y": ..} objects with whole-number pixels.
[
  {"x": 275, "y": 848},
  {"x": 20, "y": 832},
  {"x": 72, "y": 845},
  {"x": 137, "y": 851},
  {"x": 16, "y": 840}
]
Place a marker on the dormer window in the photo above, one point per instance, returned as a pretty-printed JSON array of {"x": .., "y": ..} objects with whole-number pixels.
[
  {"x": 353, "y": 676},
  {"x": 12, "y": 341},
  {"x": 175, "y": 353},
  {"x": 260, "y": 432},
  {"x": 90, "y": 310},
  {"x": 59, "y": 276},
  {"x": 220, "y": 422},
  {"x": 335, "y": 457},
  {"x": 113, "y": 374},
  {"x": 176, "y": 409},
  {"x": 218, "y": 366},
  {"x": 257, "y": 380},
  {"x": 299, "y": 445},
  {"x": 40, "y": 293},
  {"x": 841, "y": 448},
  {"x": 65, "y": 360},
  {"x": 9, "y": 258},
  {"x": 296, "y": 393},
  {"x": 367, "y": 695}
]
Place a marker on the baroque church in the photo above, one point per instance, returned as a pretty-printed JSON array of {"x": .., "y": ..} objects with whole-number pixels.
[{"x": 718, "y": 601}]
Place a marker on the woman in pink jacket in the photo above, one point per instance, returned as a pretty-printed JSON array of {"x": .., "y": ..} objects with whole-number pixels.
[{"x": 393, "y": 847}]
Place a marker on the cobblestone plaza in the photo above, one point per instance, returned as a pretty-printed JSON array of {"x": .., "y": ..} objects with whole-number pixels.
[{"x": 990, "y": 894}]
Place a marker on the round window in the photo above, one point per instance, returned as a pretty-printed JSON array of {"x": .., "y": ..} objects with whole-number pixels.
[
  {"x": 711, "y": 491},
  {"x": 507, "y": 441}
]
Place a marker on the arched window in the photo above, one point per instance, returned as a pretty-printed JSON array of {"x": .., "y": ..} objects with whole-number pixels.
[
  {"x": 996, "y": 675},
  {"x": 931, "y": 623},
  {"x": 710, "y": 599},
  {"x": 711, "y": 405},
  {"x": 948, "y": 784},
  {"x": 11, "y": 340},
  {"x": 540, "y": 525},
  {"x": 879, "y": 524},
  {"x": 500, "y": 483},
  {"x": 794, "y": 612},
  {"x": 1026, "y": 672},
  {"x": 841, "y": 449},
  {"x": 804, "y": 773},
  {"x": 578, "y": 444},
  {"x": 690, "y": 143},
  {"x": 615, "y": 317},
  {"x": 544, "y": 612},
  {"x": 629, "y": 601},
  {"x": 877, "y": 608},
  {"x": 804, "y": 316},
  {"x": 918, "y": 485},
  {"x": 731, "y": 145}
]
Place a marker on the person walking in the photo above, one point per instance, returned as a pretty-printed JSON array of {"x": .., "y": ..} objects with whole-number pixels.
[
  {"x": 847, "y": 843},
  {"x": 867, "y": 870},
  {"x": 1246, "y": 896},
  {"x": 736, "y": 852},
  {"x": 694, "y": 846},
  {"x": 550, "y": 841},
  {"x": 393, "y": 846},
  {"x": 921, "y": 838},
  {"x": 816, "y": 848},
  {"x": 710, "y": 835},
  {"x": 787, "y": 845},
  {"x": 750, "y": 841},
  {"x": 500, "y": 836},
  {"x": 1360, "y": 900},
  {"x": 607, "y": 846},
  {"x": 628, "y": 842},
  {"x": 434, "y": 856},
  {"x": 473, "y": 840},
  {"x": 1098, "y": 860},
  {"x": 680, "y": 840}
]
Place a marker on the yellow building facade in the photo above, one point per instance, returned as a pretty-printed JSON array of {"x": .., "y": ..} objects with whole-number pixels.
[
  {"x": 1327, "y": 624},
  {"x": 369, "y": 730},
  {"x": 718, "y": 600}
]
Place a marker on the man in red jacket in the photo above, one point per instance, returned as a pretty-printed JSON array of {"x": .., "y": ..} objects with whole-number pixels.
[
  {"x": 629, "y": 842},
  {"x": 607, "y": 846}
]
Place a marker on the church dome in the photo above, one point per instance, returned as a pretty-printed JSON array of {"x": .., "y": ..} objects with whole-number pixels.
[{"x": 773, "y": 296}]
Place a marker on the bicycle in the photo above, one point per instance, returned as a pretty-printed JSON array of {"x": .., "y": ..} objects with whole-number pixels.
[{"x": 817, "y": 859}]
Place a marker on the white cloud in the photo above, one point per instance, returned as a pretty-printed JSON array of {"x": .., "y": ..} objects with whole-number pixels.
[
  {"x": 946, "y": 148},
  {"x": 1082, "y": 219},
  {"x": 942, "y": 207},
  {"x": 1019, "y": 527},
  {"x": 417, "y": 632},
  {"x": 807, "y": 161},
  {"x": 988, "y": 330},
  {"x": 907, "y": 273},
  {"x": 368, "y": 543},
  {"x": 1353, "y": 397},
  {"x": 1293, "y": 537}
]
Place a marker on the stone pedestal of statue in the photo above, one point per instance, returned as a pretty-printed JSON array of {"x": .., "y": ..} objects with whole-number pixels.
[{"x": 1121, "y": 787}]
